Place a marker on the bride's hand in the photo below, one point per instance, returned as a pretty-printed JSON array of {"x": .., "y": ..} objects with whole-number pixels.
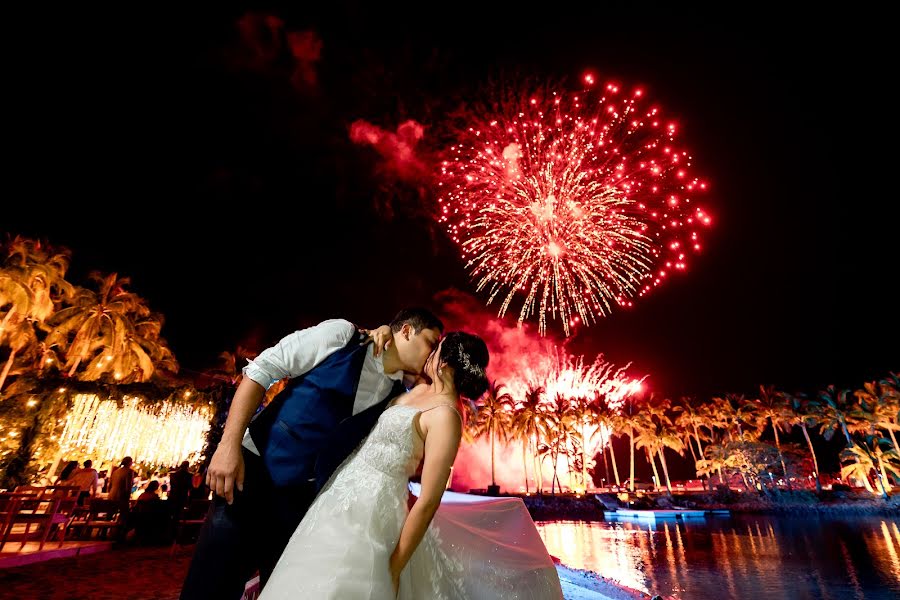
[{"x": 382, "y": 338}]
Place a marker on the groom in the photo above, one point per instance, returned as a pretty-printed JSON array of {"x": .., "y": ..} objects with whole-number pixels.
[{"x": 265, "y": 476}]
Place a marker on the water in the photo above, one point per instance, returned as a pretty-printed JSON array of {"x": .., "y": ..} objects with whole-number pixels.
[{"x": 742, "y": 556}]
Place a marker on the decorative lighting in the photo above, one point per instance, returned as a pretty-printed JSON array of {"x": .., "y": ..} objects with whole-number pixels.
[{"x": 164, "y": 433}]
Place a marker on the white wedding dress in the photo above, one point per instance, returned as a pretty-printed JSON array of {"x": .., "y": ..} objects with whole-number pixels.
[{"x": 476, "y": 548}]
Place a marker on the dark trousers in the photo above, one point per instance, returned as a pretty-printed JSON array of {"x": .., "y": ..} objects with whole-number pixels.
[{"x": 248, "y": 535}]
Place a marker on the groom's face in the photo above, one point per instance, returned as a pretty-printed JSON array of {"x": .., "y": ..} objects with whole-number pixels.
[{"x": 414, "y": 348}]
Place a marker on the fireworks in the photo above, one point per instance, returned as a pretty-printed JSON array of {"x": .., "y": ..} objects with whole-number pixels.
[
  {"x": 561, "y": 374},
  {"x": 576, "y": 203}
]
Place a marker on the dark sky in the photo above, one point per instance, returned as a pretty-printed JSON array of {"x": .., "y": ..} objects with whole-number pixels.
[{"x": 215, "y": 169}]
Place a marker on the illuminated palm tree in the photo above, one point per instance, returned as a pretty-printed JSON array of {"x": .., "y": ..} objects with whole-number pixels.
[
  {"x": 32, "y": 282},
  {"x": 669, "y": 437},
  {"x": 42, "y": 268},
  {"x": 882, "y": 400},
  {"x": 561, "y": 428},
  {"x": 527, "y": 426},
  {"x": 95, "y": 322},
  {"x": 495, "y": 410},
  {"x": 630, "y": 418},
  {"x": 689, "y": 419},
  {"x": 834, "y": 411},
  {"x": 715, "y": 458},
  {"x": 868, "y": 455},
  {"x": 647, "y": 440},
  {"x": 582, "y": 410},
  {"x": 607, "y": 419},
  {"x": 772, "y": 407},
  {"x": 805, "y": 412}
]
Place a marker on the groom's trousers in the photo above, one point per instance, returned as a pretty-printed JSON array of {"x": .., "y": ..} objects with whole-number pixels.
[{"x": 248, "y": 535}]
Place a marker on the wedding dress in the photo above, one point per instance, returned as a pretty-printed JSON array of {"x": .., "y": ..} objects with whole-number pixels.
[{"x": 476, "y": 548}]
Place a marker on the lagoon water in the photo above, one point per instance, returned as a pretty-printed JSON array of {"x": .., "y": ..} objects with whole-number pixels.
[{"x": 741, "y": 556}]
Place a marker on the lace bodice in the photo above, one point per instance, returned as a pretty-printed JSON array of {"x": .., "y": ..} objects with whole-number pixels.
[{"x": 394, "y": 447}]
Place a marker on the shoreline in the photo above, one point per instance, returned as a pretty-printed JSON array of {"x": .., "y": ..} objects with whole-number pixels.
[
  {"x": 581, "y": 584},
  {"x": 589, "y": 508}
]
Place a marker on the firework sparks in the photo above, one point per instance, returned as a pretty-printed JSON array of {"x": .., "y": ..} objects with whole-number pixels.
[
  {"x": 574, "y": 202},
  {"x": 568, "y": 376}
]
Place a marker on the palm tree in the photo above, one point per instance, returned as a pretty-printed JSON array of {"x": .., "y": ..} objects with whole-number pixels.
[
  {"x": 669, "y": 437},
  {"x": 18, "y": 334},
  {"x": 95, "y": 322},
  {"x": 715, "y": 458},
  {"x": 561, "y": 429},
  {"x": 772, "y": 407},
  {"x": 32, "y": 281},
  {"x": 42, "y": 268},
  {"x": 833, "y": 412},
  {"x": 833, "y": 405},
  {"x": 869, "y": 455},
  {"x": 493, "y": 418},
  {"x": 883, "y": 401},
  {"x": 805, "y": 415},
  {"x": 606, "y": 418},
  {"x": 689, "y": 420},
  {"x": 527, "y": 425},
  {"x": 582, "y": 416},
  {"x": 631, "y": 419},
  {"x": 646, "y": 439},
  {"x": 743, "y": 416}
]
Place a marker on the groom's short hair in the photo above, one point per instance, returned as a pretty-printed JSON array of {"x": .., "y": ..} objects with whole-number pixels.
[{"x": 418, "y": 319}]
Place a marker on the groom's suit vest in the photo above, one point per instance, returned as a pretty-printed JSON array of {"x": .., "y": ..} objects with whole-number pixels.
[{"x": 307, "y": 430}]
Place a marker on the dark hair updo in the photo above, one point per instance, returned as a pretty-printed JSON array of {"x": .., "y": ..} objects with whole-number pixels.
[{"x": 468, "y": 355}]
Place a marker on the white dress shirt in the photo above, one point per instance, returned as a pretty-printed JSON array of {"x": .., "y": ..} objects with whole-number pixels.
[{"x": 301, "y": 351}]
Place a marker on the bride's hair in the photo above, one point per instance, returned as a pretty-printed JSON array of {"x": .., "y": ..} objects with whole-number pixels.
[{"x": 468, "y": 355}]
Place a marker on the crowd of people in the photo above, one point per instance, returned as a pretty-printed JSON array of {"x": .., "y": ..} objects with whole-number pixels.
[{"x": 149, "y": 503}]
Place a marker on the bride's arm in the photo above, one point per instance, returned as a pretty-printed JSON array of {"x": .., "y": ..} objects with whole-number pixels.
[{"x": 442, "y": 436}]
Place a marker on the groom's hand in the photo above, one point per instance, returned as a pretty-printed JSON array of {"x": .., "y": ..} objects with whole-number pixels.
[{"x": 225, "y": 470}]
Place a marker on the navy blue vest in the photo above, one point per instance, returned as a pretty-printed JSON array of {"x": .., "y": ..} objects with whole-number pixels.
[{"x": 307, "y": 430}]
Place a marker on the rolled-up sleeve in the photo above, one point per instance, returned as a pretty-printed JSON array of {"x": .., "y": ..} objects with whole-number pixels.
[{"x": 299, "y": 352}]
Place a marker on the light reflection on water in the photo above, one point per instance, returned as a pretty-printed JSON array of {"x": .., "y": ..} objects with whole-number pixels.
[{"x": 743, "y": 556}]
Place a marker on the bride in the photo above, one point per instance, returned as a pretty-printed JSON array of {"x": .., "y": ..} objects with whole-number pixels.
[{"x": 360, "y": 540}]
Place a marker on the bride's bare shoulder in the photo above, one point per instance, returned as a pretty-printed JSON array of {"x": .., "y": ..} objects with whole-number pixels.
[{"x": 443, "y": 415}]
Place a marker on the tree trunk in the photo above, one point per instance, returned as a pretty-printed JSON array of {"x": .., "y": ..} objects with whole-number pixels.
[
  {"x": 631, "y": 437},
  {"x": 882, "y": 479},
  {"x": 612, "y": 455},
  {"x": 493, "y": 482},
  {"x": 605, "y": 462},
  {"x": 655, "y": 472},
  {"x": 813, "y": 453},
  {"x": 539, "y": 466},
  {"x": 556, "y": 483},
  {"x": 697, "y": 435},
  {"x": 7, "y": 367},
  {"x": 525, "y": 462},
  {"x": 662, "y": 459},
  {"x": 584, "y": 480},
  {"x": 787, "y": 479},
  {"x": 693, "y": 454}
]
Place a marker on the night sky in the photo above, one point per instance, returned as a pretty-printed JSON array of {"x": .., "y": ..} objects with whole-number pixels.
[{"x": 209, "y": 159}]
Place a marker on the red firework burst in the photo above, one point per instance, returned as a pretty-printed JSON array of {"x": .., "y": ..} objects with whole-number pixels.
[{"x": 573, "y": 202}]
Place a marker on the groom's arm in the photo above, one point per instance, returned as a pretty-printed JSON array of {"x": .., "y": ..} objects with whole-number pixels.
[
  {"x": 226, "y": 468},
  {"x": 294, "y": 355}
]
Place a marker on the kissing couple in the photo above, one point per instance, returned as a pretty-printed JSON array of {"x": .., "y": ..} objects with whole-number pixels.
[{"x": 313, "y": 490}]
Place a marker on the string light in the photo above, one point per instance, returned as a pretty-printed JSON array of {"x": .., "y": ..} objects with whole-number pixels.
[{"x": 163, "y": 433}]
